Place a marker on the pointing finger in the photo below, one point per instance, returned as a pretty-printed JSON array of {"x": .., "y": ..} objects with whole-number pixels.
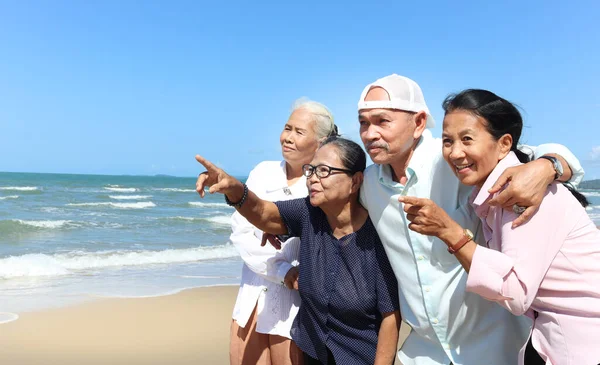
[{"x": 206, "y": 163}]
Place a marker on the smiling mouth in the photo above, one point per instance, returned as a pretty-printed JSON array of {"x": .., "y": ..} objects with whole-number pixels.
[{"x": 461, "y": 167}]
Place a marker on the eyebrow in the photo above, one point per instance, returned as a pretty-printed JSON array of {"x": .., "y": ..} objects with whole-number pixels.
[{"x": 377, "y": 115}]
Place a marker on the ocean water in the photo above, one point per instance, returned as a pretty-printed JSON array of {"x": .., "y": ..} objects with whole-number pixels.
[{"x": 71, "y": 238}]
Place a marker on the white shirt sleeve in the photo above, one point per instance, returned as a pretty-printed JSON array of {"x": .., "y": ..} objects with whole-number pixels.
[
  {"x": 564, "y": 152},
  {"x": 246, "y": 239}
]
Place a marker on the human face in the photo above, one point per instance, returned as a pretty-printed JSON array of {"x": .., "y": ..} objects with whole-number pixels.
[
  {"x": 470, "y": 150},
  {"x": 298, "y": 138},
  {"x": 389, "y": 135},
  {"x": 334, "y": 189}
]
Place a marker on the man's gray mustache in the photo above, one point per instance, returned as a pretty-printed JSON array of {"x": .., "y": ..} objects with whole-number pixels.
[{"x": 383, "y": 145}]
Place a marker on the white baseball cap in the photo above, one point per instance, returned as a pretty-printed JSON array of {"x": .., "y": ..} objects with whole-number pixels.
[{"x": 405, "y": 94}]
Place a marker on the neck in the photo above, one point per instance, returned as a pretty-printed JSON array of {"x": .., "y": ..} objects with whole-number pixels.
[{"x": 346, "y": 218}]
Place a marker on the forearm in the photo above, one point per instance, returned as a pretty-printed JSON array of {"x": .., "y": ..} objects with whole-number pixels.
[
  {"x": 387, "y": 341},
  {"x": 263, "y": 214},
  {"x": 572, "y": 170}
]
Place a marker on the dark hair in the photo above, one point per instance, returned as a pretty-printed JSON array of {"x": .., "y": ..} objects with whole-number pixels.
[
  {"x": 352, "y": 155},
  {"x": 501, "y": 117},
  {"x": 334, "y": 132}
]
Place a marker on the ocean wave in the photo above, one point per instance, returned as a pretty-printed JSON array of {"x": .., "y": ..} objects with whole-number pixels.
[
  {"x": 209, "y": 205},
  {"x": 65, "y": 264},
  {"x": 129, "y": 197},
  {"x": 176, "y": 190},
  {"x": 24, "y": 226},
  {"x": 138, "y": 205},
  {"x": 19, "y": 188},
  {"x": 8, "y": 317},
  {"x": 120, "y": 190},
  {"x": 591, "y": 193},
  {"x": 9, "y": 197},
  {"x": 188, "y": 219},
  {"x": 219, "y": 219},
  {"x": 44, "y": 224}
]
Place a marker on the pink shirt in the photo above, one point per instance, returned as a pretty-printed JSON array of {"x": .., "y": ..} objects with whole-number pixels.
[{"x": 550, "y": 265}]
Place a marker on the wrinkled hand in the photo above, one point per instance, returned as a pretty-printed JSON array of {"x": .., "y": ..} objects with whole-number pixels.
[
  {"x": 527, "y": 185},
  {"x": 428, "y": 218},
  {"x": 291, "y": 278},
  {"x": 273, "y": 240},
  {"x": 217, "y": 180}
]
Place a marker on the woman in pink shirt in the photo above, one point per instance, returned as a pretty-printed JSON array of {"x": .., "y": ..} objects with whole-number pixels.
[{"x": 548, "y": 268}]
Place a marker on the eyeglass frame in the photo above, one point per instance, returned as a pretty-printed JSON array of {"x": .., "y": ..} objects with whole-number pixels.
[{"x": 313, "y": 170}]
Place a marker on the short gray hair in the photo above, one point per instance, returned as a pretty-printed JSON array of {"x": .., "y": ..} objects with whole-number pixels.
[{"x": 322, "y": 117}]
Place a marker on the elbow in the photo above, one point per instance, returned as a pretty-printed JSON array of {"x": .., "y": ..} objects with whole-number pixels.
[{"x": 518, "y": 305}]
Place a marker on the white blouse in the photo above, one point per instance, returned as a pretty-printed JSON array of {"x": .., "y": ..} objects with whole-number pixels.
[{"x": 265, "y": 267}]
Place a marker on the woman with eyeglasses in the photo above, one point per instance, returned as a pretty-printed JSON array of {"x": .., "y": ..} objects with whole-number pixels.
[{"x": 349, "y": 312}]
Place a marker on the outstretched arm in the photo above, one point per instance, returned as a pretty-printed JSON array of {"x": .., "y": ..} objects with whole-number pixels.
[{"x": 262, "y": 214}]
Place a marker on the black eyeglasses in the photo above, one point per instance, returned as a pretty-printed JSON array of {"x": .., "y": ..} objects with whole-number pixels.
[{"x": 322, "y": 171}]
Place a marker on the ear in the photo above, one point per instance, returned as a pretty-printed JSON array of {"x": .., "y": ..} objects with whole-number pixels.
[
  {"x": 505, "y": 144},
  {"x": 357, "y": 180},
  {"x": 420, "y": 120}
]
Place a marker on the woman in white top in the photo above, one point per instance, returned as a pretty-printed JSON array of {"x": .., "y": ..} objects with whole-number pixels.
[{"x": 265, "y": 308}]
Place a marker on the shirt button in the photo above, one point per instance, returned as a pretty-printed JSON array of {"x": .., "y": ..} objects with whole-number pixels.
[
  {"x": 435, "y": 321},
  {"x": 427, "y": 289},
  {"x": 421, "y": 258},
  {"x": 446, "y": 346},
  {"x": 265, "y": 289}
]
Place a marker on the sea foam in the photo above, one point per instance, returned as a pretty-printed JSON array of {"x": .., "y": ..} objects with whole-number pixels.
[
  {"x": 121, "y": 190},
  {"x": 138, "y": 205},
  {"x": 9, "y": 197},
  {"x": 19, "y": 188},
  {"x": 209, "y": 205},
  {"x": 31, "y": 265},
  {"x": 129, "y": 197},
  {"x": 44, "y": 224},
  {"x": 176, "y": 190}
]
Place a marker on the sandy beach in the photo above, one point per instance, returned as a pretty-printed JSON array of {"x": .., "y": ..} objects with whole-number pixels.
[{"x": 191, "y": 327}]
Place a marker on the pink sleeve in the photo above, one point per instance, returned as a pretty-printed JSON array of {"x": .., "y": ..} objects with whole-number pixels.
[{"x": 513, "y": 275}]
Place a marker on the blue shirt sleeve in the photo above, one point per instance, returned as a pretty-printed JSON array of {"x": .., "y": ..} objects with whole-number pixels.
[
  {"x": 294, "y": 213},
  {"x": 387, "y": 285}
]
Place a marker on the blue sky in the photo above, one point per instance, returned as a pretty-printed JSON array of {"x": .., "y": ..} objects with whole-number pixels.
[{"x": 140, "y": 87}]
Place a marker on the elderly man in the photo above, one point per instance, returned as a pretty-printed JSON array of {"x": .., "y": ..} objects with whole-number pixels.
[{"x": 449, "y": 325}]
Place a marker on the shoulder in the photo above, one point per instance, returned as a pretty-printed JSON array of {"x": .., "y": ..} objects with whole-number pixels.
[
  {"x": 266, "y": 170},
  {"x": 371, "y": 173},
  {"x": 267, "y": 166}
]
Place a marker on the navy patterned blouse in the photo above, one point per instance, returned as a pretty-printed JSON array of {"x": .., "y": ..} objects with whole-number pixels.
[{"x": 344, "y": 284}]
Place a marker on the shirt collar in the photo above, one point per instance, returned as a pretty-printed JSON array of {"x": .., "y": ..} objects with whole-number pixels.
[
  {"x": 480, "y": 197},
  {"x": 415, "y": 167}
]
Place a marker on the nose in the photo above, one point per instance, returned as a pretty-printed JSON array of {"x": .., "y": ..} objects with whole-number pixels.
[
  {"x": 456, "y": 152},
  {"x": 370, "y": 133},
  {"x": 313, "y": 178}
]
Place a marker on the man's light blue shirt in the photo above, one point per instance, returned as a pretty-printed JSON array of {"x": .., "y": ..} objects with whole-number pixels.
[{"x": 448, "y": 324}]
